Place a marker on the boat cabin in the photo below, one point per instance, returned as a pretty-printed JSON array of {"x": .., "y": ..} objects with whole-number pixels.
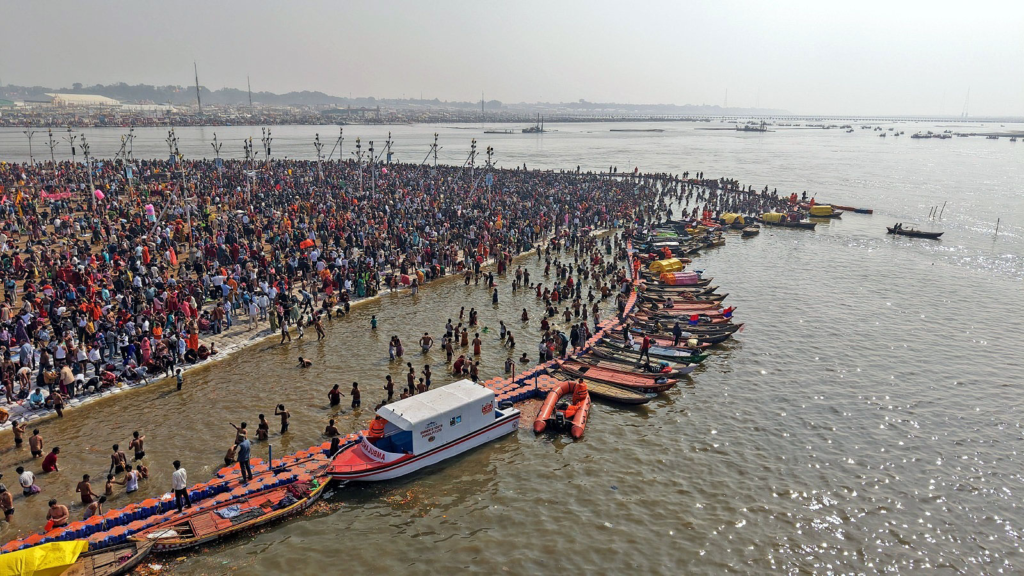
[{"x": 437, "y": 417}]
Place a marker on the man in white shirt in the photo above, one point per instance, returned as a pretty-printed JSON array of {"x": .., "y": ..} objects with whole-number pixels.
[
  {"x": 179, "y": 483},
  {"x": 27, "y": 480}
]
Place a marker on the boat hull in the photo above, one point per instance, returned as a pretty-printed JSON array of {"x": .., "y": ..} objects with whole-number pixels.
[
  {"x": 915, "y": 233},
  {"x": 390, "y": 470},
  {"x": 547, "y": 411},
  {"x": 178, "y": 544}
]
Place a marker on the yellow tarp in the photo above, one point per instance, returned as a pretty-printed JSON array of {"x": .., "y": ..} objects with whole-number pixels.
[
  {"x": 773, "y": 217},
  {"x": 669, "y": 265},
  {"x": 50, "y": 559},
  {"x": 821, "y": 210},
  {"x": 730, "y": 217}
]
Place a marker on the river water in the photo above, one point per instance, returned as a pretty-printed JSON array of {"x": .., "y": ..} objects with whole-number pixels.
[{"x": 867, "y": 418}]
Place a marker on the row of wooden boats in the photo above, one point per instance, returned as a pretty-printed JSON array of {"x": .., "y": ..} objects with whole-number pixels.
[
  {"x": 611, "y": 370},
  {"x": 118, "y": 541}
]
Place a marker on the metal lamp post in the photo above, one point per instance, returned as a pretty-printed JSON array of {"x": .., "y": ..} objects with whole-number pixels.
[
  {"x": 319, "y": 155},
  {"x": 30, "y": 134},
  {"x": 472, "y": 158},
  {"x": 216, "y": 150},
  {"x": 373, "y": 171},
  {"x": 266, "y": 145},
  {"x": 70, "y": 139},
  {"x": 359, "y": 158},
  {"x": 52, "y": 144},
  {"x": 88, "y": 165}
]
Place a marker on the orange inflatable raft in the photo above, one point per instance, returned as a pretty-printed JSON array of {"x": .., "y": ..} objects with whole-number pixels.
[{"x": 575, "y": 413}]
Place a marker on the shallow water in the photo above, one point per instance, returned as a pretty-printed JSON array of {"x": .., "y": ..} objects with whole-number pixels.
[{"x": 865, "y": 420}]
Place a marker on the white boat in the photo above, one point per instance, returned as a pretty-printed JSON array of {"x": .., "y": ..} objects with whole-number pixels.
[{"x": 422, "y": 430}]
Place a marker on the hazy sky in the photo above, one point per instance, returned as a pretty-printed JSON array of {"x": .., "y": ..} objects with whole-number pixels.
[{"x": 816, "y": 56}]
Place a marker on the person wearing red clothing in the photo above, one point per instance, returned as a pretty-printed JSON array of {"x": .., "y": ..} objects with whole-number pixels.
[
  {"x": 645, "y": 348},
  {"x": 50, "y": 462}
]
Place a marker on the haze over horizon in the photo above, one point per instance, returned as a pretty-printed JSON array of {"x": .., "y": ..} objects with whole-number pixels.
[{"x": 863, "y": 58}]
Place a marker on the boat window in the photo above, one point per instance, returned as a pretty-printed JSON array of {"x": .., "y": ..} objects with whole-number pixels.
[
  {"x": 455, "y": 420},
  {"x": 400, "y": 442}
]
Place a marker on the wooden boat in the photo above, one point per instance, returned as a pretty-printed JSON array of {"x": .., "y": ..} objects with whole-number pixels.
[
  {"x": 661, "y": 299},
  {"x": 682, "y": 306},
  {"x": 666, "y": 370},
  {"x": 640, "y": 382},
  {"x": 120, "y": 559},
  {"x": 683, "y": 297},
  {"x": 665, "y": 333},
  {"x": 855, "y": 210},
  {"x": 914, "y": 233},
  {"x": 573, "y": 417},
  {"x": 611, "y": 392},
  {"x": 712, "y": 329},
  {"x": 710, "y": 315},
  {"x": 209, "y": 524},
  {"x": 663, "y": 341},
  {"x": 803, "y": 224},
  {"x": 666, "y": 290},
  {"x": 623, "y": 356},
  {"x": 751, "y": 231},
  {"x": 672, "y": 354}
]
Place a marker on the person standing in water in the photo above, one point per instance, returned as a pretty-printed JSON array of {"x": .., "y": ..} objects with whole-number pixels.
[
  {"x": 356, "y": 401},
  {"x": 285, "y": 415},
  {"x": 137, "y": 445}
]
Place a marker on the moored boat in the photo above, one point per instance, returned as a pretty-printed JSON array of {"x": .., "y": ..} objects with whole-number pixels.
[
  {"x": 913, "y": 233},
  {"x": 630, "y": 357},
  {"x": 237, "y": 514},
  {"x": 641, "y": 382},
  {"x": 672, "y": 354},
  {"x": 114, "y": 561},
  {"x": 662, "y": 368},
  {"x": 423, "y": 430},
  {"x": 572, "y": 415},
  {"x": 613, "y": 393}
]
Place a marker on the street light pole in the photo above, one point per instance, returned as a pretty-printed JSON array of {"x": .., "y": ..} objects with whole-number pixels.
[
  {"x": 52, "y": 144},
  {"x": 266, "y": 145},
  {"x": 250, "y": 155},
  {"x": 472, "y": 159},
  {"x": 359, "y": 158},
  {"x": 71, "y": 140},
  {"x": 216, "y": 149},
  {"x": 88, "y": 165},
  {"x": 30, "y": 134},
  {"x": 319, "y": 155},
  {"x": 373, "y": 171}
]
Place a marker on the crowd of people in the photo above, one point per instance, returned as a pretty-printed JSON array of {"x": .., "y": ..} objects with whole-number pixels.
[
  {"x": 130, "y": 271},
  {"x": 127, "y": 272}
]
